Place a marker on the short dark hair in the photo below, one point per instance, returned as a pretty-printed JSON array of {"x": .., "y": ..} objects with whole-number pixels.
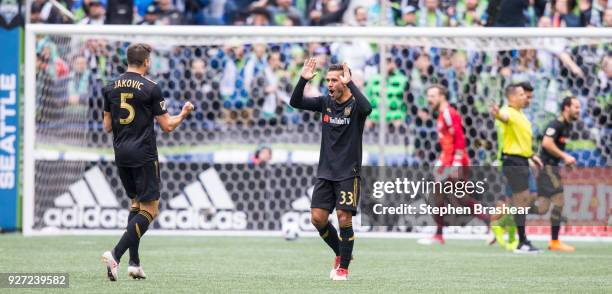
[
  {"x": 138, "y": 53},
  {"x": 511, "y": 89},
  {"x": 566, "y": 102},
  {"x": 357, "y": 8},
  {"x": 338, "y": 67},
  {"x": 262, "y": 148},
  {"x": 526, "y": 86},
  {"x": 261, "y": 11},
  {"x": 441, "y": 89}
]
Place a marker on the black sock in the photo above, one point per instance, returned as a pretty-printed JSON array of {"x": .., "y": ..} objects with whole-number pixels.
[
  {"x": 519, "y": 219},
  {"x": 134, "y": 257},
  {"x": 330, "y": 236},
  {"x": 133, "y": 212},
  {"x": 135, "y": 230},
  {"x": 555, "y": 221},
  {"x": 554, "y": 232},
  {"x": 347, "y": 238}
]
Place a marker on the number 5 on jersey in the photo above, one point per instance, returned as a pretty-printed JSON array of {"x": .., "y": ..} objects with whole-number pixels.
[{"x": 128, "y": 107}]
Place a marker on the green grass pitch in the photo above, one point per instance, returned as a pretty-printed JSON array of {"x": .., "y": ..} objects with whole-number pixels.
[{"x": 273, "y": 265}]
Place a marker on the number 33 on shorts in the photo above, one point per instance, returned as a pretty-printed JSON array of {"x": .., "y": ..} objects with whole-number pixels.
[
  {"x": 348, "y": 192},
  {"x": 347, "y": 198}
]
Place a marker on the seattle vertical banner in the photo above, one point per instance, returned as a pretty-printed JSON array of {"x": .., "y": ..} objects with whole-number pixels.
[{"x": 10, "y": 33}]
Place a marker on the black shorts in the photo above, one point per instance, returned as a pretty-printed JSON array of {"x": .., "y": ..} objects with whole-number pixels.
[
  {"x": 549, "y": 181},
  {"x": 516, "y": 171},
  {"x": 141, "y": 183},
  {"x": 343, "y": 195}
]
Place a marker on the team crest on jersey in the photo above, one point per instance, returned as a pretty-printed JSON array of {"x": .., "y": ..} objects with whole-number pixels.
[
  {"x": 328, "y": 110},
  {"x": 162, "y": 104},
  {"x": 347, "y": 111},
  {"x": 550, "y": 132}
]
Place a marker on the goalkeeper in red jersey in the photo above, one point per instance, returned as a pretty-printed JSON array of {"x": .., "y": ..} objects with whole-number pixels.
[{"x": 453, "y": 155}]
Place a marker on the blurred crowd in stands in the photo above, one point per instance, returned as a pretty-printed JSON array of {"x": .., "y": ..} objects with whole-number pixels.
[
  {"x": 422, "y": 13},
  {"x": 244, "y": 84}
]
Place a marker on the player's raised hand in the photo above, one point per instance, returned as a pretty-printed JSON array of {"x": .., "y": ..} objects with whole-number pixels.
[
  {"x": 308, "y": 71},
  {"x": 187, "y": 108},
  {"x": 345, "y": 78}
]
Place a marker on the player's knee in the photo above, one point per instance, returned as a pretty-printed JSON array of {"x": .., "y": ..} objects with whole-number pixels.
[
  {"x": 558, "y": 200},
  {"x": 344, "y": 218},
  {"x": 543, "y": 206},
  {"x": 521, "y": 199},
  {"x": 542, "y": 209},
  {"x": 154, "y": 212},
  {"x": 317, "y": 220},
  {"x": 150, "y": 207},
  {"x": 135, "y": 205}
]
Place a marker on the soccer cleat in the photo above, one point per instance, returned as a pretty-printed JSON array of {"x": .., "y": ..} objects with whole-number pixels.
[
  {"x": 341, "y": 274},
  {"x": 526, "y": 248},
  {"x": 512, "y": 235},
  {"x": 510, "y": 246},
  {"x": 136, "y": 272},
  {"x": 335, "y": 267},
  {"x": 111, "y": 265},
  {"x": 435, "y": 239},
  {"x": 556, "y": 245},
  {"x": 498, "y": 236},
  {"x": 491, "y": 240}
]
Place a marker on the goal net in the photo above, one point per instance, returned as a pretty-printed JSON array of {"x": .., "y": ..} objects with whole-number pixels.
[{"x": 215, "y": 176}]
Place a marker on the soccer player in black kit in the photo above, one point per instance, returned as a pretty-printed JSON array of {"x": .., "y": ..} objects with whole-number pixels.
[
  {"x": 344, "y": 113},
  {"x": 550, "y": 186},
  {"x": 130, "y": 104}
]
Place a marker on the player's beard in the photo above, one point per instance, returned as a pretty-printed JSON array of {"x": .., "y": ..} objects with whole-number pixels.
[
  {"x": 336, "y": 94},
  {"x": 574, "y": 116},
  {"x": 435, "y": 107},
  {"x": 147, "y": 65}
]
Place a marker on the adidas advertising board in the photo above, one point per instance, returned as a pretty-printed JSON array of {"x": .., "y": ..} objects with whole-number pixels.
[
  {"x": 194, "y": 196},
  {"x": 196, "y": 208}
]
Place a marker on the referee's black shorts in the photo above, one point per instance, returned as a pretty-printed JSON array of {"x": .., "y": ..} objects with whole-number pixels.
[
  {"x": 516, "y": 171},
  {"x": 141, "y": 183}
]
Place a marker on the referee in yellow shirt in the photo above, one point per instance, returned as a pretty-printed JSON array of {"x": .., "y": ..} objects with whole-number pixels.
[{"x": 517, "y": 151}]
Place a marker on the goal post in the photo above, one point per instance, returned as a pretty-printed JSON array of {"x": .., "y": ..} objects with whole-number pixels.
[{"x": 240, "y": 78}]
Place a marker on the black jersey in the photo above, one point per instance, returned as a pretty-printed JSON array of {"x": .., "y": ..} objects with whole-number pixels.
[
  {"x": 559, "y": 131},
  {"x": 133, "y": 101},
  {"x": 341, "y": 131}
]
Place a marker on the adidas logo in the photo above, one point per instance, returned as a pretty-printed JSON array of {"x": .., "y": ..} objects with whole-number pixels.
[
  {"x": 90, "y": 203},
  {"x": 204, "y": 204},
  {"x": 299, "y": 215}
]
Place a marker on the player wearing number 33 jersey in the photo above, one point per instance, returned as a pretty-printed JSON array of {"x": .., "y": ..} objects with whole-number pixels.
[{"x": 343, "y": 115}]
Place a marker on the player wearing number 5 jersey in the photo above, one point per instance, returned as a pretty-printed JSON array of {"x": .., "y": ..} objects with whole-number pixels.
[
  {"x": 343, "y": 115},
  {"x": 130, "y": 104}
]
